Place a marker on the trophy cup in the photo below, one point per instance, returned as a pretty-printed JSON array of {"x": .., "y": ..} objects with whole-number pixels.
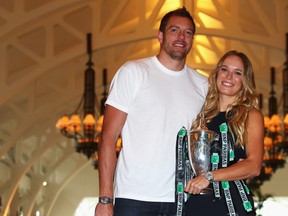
[{"x": 199, "y": 150}]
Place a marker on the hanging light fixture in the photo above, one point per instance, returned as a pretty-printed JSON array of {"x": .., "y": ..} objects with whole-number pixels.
[
  {"x": 86, "y": 132},
  {"x": 83, "y": 131},
  {"x": 276, "y": 131}
]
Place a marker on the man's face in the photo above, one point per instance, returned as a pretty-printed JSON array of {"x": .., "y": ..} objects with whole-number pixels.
[{"x": 177, "y": 39}]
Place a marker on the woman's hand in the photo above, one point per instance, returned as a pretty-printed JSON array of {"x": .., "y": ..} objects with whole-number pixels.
[{"x": 196, "y": 185}]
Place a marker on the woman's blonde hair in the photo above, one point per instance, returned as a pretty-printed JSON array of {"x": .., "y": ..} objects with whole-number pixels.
[{"x": 237, "y": 112}]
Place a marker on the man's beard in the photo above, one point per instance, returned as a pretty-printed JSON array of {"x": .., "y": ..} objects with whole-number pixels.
[{"x": 176, "y": 55}]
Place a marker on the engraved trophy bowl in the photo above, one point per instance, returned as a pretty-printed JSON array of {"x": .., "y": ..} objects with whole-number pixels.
[{"x": 199, "y": 152}]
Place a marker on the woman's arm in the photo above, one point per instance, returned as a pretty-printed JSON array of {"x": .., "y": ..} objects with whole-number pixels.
[{"x": 246, "y": 168}]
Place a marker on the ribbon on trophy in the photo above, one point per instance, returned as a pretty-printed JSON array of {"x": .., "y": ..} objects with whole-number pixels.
[
  {"x": 183, "y": 170},
  {"x": 193, "y": 158}
]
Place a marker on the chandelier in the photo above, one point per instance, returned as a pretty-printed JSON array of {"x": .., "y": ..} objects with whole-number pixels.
[
  {"x": 276, "y": 132},
  {"x": 85, "y": 132}
]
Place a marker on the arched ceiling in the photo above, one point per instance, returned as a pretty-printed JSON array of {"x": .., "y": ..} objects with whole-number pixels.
[{"x": 43, "y": 57}]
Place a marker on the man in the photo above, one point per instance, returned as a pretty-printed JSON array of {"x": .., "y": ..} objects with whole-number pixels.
[{"x": 149, "y": 101}]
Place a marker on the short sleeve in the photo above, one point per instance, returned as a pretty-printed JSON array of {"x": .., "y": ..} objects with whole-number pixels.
[{"x": 124, "y": 86}]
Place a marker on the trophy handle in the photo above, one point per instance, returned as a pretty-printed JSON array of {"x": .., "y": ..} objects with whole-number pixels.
[{"x": 190, "y": 156}]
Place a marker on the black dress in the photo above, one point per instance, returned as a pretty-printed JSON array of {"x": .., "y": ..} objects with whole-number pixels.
[{"x": 227, "y": 199}]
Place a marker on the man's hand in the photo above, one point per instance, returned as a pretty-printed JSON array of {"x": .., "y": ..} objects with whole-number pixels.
[{"x": 103, "y": 210}]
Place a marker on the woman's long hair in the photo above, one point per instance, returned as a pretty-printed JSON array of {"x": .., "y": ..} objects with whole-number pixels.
[{"x": 237, "y": 112}]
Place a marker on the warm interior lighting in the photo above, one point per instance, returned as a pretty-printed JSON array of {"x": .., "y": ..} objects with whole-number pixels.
[
  {"x": 75, "y": 123},
  {"x": 202, "y": 47},
  {"x": 89, "y": 120},
  {"x": 210, "y": 22},
  {"x": 268, "y": 170},
  {"x": 275, "y": 120},
  {"x": 286, "y": 119},
  {"x": 100, "y": 123},
  {"x": 275, "y": 140},
  {"x": 266, "y": 121},
  {"x": 63, "y": 122},
  {"x": 202, "y": 72},
  {"x": 82, "y": 127},
  {"x": 83, "y": 131},
  {"x": 206, "y": 5},
  {"x": 170, "y": 5}
]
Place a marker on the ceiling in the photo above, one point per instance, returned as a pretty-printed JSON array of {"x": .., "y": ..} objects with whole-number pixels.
[{"x": 43, "y": 57}]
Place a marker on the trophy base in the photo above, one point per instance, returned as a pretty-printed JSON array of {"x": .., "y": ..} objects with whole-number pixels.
[{"x": 206, "y": 191}]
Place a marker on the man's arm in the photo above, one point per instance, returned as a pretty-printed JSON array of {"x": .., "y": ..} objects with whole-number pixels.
[{"x": 114, "y": 120}]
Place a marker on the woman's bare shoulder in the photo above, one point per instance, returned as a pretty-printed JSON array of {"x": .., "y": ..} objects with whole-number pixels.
[{"x": 255, "y": 116}]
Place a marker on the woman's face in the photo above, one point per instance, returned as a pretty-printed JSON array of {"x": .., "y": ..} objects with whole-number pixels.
[{"x": 229, "y": 76}]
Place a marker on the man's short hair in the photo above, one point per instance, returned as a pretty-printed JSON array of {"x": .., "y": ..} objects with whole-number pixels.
[{"x": 182, "y": 12}]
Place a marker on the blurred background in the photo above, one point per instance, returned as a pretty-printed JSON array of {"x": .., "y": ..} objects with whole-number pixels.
[{"x": 44, "y": 53}]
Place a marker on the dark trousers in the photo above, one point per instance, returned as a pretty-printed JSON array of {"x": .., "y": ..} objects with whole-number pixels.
[{"x": 129, "y": 207}]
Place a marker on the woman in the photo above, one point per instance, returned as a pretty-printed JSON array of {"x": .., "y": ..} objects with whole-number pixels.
[{"x": 230, "y": 110}]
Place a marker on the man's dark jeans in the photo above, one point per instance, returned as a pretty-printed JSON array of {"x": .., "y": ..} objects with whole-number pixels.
[{"x": 129, "y": 207}]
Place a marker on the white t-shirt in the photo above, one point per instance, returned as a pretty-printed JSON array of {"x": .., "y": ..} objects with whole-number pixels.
[{"x": 158, "y": 102}]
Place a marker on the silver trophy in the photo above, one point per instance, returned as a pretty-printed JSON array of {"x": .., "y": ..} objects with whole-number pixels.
[{"x": 199, "y": 149}]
